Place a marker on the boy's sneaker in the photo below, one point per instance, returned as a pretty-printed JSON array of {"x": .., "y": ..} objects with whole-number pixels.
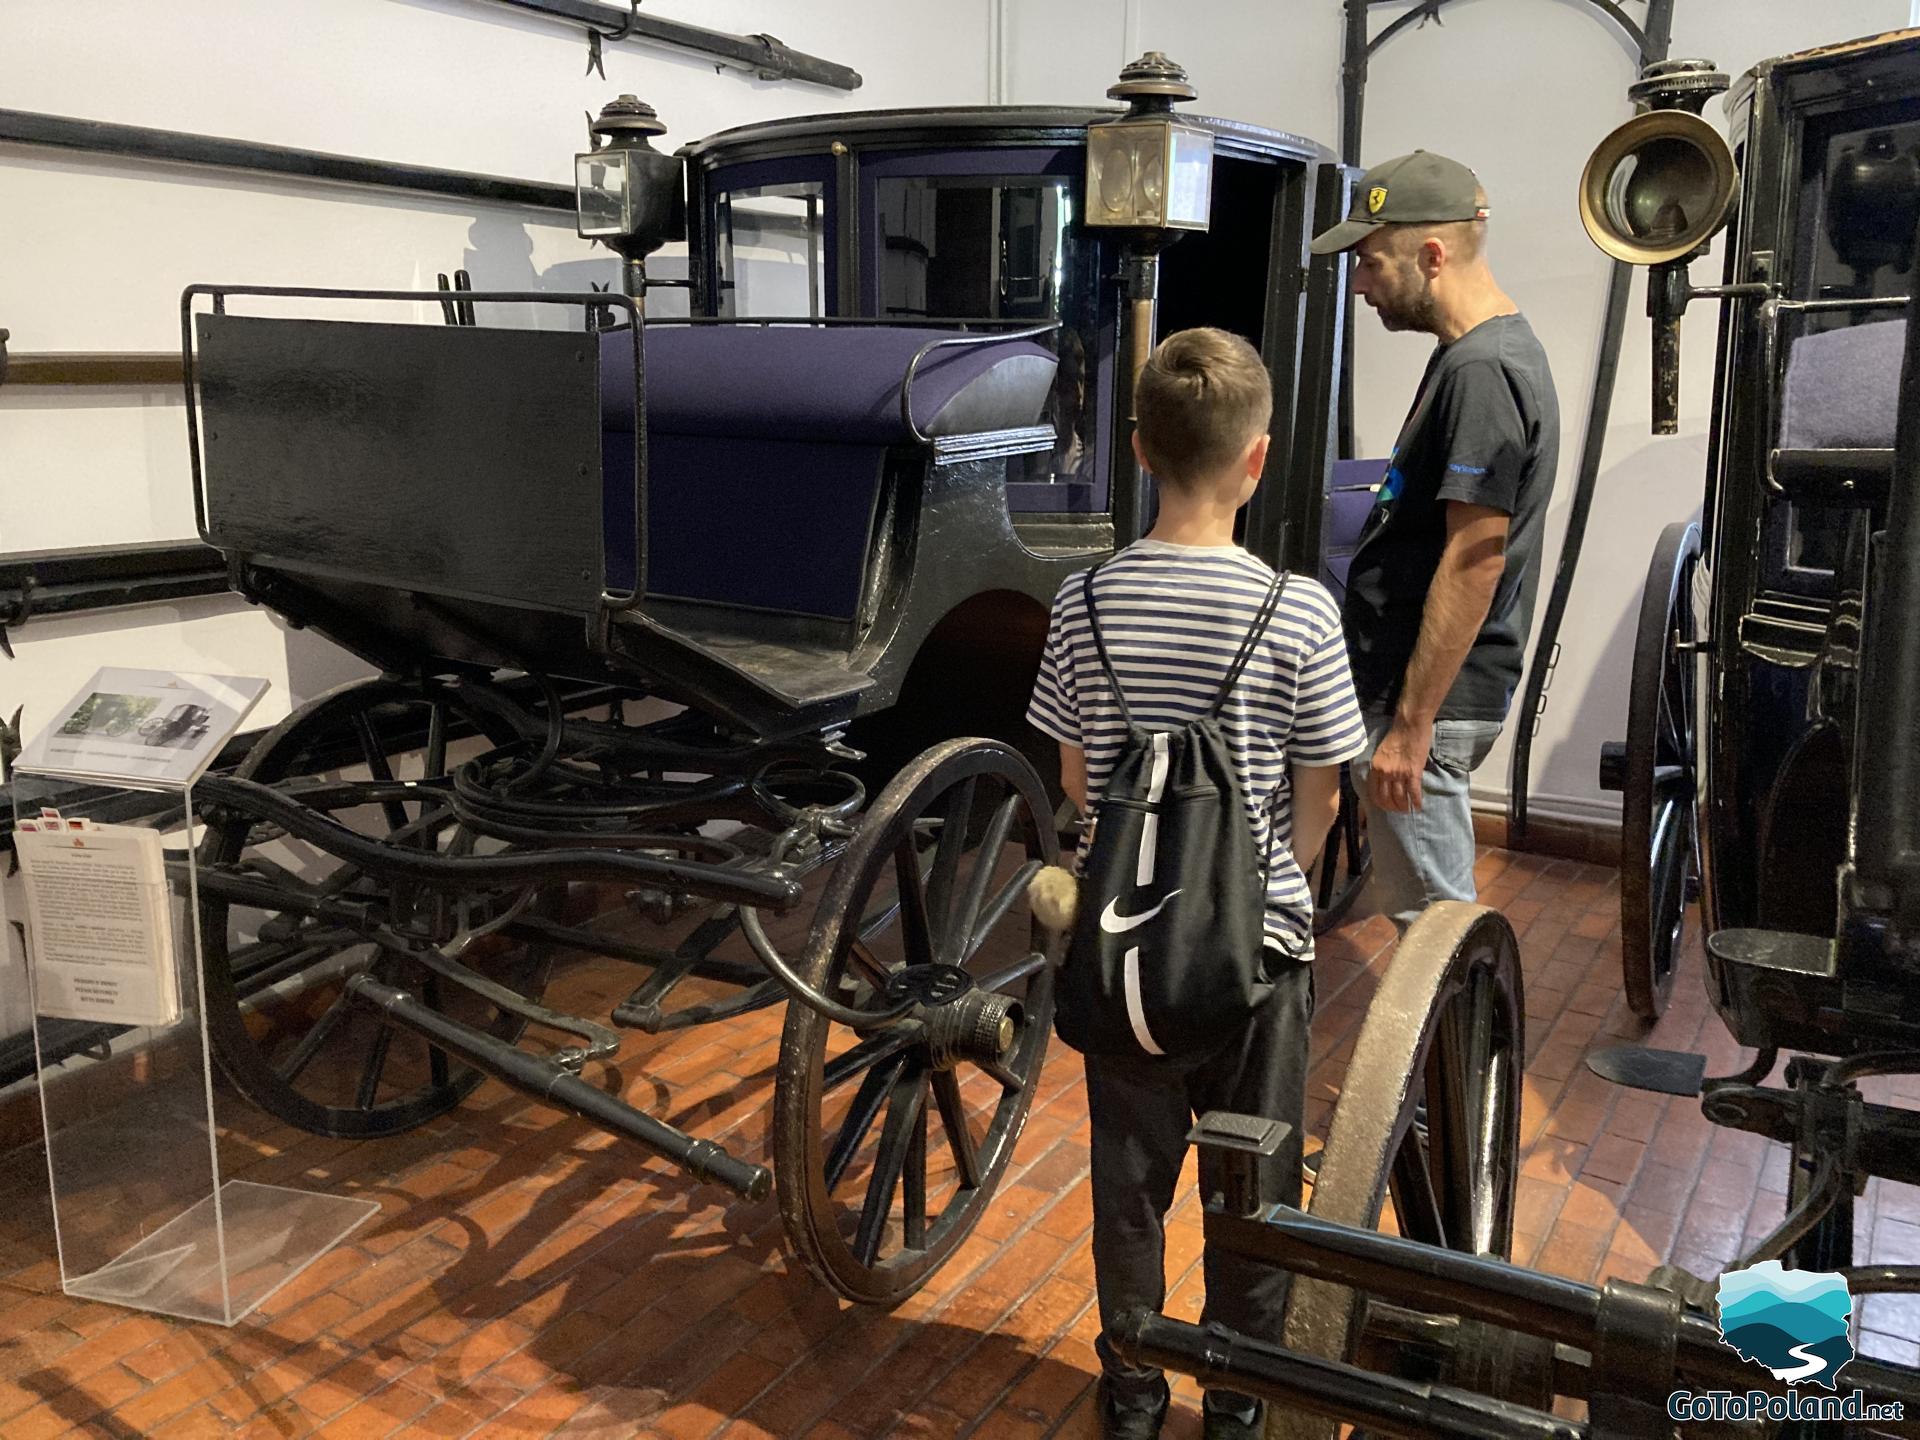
[
  {"x": 1135, "y": 1421},
  {"x": 1226, "y": 1425}
]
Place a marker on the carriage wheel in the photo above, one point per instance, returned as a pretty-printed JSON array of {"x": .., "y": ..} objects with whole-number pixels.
[
  {"x": 1657, "y": 778},
  {"x": 1444, "y": 1030},
  {"x": 886, "y": 1149},
  {"x": 1344, "y": 860},
  {"x": 279, "y": 1019}
]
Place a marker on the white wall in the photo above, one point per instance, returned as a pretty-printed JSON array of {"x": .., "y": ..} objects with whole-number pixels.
[
  {"x": 93, "y": 253},
  {"x": 1521, "y": 90}
]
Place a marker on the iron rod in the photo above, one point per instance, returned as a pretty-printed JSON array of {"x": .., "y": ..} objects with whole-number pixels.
[
  {"x": 139, "y": 142},
  {"x": 1376, "y": 1403},
  {"x": 759, "y": 55},
  {"x": 557, "y": 1086},
  {"x": 1479, "y": 1287}
]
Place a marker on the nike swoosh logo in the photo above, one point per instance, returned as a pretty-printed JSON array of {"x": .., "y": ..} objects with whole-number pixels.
[{"x": 1114, "y": 924}]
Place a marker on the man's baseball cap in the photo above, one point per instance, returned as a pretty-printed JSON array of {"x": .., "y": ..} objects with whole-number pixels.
[{"x": 1408, "y": 189}]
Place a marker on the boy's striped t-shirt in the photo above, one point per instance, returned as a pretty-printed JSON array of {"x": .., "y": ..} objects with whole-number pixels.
[{"x": 1173, "y": 617}]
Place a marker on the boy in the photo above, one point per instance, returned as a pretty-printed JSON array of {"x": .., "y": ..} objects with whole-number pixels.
[{"x": 1174, "y": 608}]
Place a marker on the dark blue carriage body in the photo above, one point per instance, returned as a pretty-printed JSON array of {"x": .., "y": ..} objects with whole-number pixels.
[
  {"x": 891, "y": 423},
  {"x": 1800, "y": 490}
]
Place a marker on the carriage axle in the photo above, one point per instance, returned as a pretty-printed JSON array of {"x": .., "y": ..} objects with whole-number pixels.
[{"x": 554, "y": 1084}]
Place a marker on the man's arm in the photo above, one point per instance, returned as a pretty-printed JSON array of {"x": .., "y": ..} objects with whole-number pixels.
[
  {"x": 1316, "y": 804},
  {"x": 1470, "y": 568},
  {"x": 1073, "y": 775}
]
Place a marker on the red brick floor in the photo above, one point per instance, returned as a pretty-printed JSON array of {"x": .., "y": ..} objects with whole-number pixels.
[{"x": 526, "y": 1278}]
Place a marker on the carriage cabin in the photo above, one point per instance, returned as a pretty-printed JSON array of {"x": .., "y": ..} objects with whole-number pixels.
[{"x": 892, "y": 419}]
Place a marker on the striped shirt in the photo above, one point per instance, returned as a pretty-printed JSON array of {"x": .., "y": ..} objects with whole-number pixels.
[{"x": 1173, "y": 617}]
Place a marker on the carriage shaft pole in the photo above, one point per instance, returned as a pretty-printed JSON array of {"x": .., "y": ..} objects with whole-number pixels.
[
  {"x": 1481, "y": 1287},
  {"x": 1379, "y": 1404},
  {"x": 553, "y": 1084}
]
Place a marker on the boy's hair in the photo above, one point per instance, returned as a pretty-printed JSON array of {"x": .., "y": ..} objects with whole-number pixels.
[{"x": 1201, "y": 397}]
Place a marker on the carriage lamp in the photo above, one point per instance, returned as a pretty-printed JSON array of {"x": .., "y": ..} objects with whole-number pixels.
[
  {"x": 1653, "y": 193},
  {"x": 1150, "y": 180},
  {"x": 1146, "y": 170},
  {"x": 628, "y": 195}
]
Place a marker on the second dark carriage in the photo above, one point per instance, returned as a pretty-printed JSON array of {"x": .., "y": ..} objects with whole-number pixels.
[{"x": 825, "y": 514}]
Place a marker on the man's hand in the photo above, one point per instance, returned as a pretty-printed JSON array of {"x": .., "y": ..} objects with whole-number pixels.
[{"x": 1393, "y": 782}]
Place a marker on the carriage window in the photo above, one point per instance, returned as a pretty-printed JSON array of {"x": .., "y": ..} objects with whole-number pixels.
[
  {"x": 771, "y": 253},
  {"x": 972, "y": 247}
]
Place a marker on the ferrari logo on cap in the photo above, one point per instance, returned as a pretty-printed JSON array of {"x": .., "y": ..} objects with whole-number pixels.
[{"x": 1376, "y": 197}]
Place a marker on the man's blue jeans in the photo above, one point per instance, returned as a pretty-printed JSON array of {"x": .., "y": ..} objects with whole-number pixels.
[{"x": 1426, "y": 854}]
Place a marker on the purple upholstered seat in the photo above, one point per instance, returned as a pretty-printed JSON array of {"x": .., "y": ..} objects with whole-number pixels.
[
  {"x": 838, "y": 382},
  {"x": 1842, "y": 388},
  {"x": 766, "y": 447}
]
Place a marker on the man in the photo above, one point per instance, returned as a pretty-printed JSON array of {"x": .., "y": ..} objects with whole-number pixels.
[{"x": 1440, "y": 595}]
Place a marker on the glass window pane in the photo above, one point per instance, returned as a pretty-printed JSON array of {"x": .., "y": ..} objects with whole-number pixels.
[
  {"x": 772, "y": 260},
  {"x": 974, "y": 247}
]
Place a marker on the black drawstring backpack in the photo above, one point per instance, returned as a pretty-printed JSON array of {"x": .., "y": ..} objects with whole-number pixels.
[{"x": 1164, "y": 955}]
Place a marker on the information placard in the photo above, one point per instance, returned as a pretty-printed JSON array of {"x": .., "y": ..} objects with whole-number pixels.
[{"x": 150, "y": 727}]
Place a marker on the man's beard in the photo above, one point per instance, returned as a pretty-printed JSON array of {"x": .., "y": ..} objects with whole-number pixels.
[{"x": 1417, "y": 311}]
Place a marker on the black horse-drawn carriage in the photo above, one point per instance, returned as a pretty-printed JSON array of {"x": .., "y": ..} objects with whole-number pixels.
[
  {"x": 801, "y": 542},
  {"x": 1772, "y": 767}
]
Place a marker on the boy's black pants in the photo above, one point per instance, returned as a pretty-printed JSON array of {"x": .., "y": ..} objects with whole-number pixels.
[{"x": 1141, "y": 1112}]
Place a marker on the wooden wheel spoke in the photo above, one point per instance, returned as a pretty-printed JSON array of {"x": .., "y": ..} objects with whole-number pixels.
[
  {"x": 436, "y": 756},
  {"x": 868, "y": 1101},
  {"x": 258, "y": 972},
  {"x": 915, "y": 926},
  {"x": 906, "y": 1108},
  {"x": 863, "y": 1057},
  {"x": 953, "y": 1119},
  {"x": 1012, "y": 974},
  {"x": 437, "y": 1067},
  {"x": 375, "y": 755},
  {"x": 966, "y": 920},
  {"x": 1415, "y": 1201},
  {"x": 375, "y": 1067},
  {"x": 296, "y": 1063},
  {"x": 948, "y": 851},
  {"x": 913, "y": 1184},
  {"x": 860, "y": 957},
  {"x": 997, "y": 908}
]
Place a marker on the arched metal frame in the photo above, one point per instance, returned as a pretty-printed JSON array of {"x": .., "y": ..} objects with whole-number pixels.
[{"x": 1649, "y": 43}]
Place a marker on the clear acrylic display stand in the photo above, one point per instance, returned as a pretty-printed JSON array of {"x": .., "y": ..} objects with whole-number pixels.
[{"x": 141, "y": 1215}]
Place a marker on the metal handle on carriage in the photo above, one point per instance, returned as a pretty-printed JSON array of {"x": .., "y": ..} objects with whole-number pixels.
[
  {"x": 515, "y": 868},
  {"x": 913, "y": 366},
  {"x": 554, "y": 1084}
]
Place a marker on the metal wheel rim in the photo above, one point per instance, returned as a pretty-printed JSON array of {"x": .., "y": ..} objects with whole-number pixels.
[
  {"x": 801, "y": 1145},
  {"x": 235, "y": 1048},
  {"x": 1657, "y": 804},
  {"x": 1446, "y": 1024}
]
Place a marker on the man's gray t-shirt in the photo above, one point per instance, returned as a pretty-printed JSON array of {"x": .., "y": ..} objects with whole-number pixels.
[{"x": 1484, "y": 429}]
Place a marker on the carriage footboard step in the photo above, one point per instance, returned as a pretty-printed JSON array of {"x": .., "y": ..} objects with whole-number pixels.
[
  {"x": 1641, "y": 1067},
  {"x": 556, "y": 1085}
]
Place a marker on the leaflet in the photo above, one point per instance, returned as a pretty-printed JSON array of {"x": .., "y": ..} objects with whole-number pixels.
[{"x": 99, "y": 922}]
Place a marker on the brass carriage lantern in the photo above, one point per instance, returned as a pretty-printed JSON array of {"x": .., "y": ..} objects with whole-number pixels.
[
  {"x": 628, "y": 195},
  {"x": 1150, "y": 179},
  {"x": 1146, "y": 170}
]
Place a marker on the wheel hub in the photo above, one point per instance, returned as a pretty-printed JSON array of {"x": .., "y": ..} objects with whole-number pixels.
[{"x": 981, "y": 1026}]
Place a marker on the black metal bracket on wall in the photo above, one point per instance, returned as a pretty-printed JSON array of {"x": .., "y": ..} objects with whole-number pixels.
[
  {"x": 1649, "y": 43},
  {"x": 41, "y": 583},
  {"x": 36, "y": 584},
  {"x": 760, "y": 56}
]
